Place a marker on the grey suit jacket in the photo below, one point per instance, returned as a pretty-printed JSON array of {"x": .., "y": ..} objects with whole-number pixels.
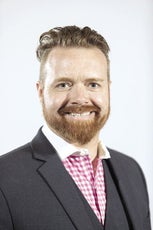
[{"x": 37, "y": 193}]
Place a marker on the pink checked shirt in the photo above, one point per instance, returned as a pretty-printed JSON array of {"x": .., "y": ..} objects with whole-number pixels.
[{"x": 88, "y": 175}]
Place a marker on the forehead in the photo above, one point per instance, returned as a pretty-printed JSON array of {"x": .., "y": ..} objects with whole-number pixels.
[
  {"x": 78, "y": 53},
  {"x": 67, "y": 62}
]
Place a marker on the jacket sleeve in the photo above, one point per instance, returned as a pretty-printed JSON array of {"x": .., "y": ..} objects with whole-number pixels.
[
  {"x": 5, "y": 217},
  {"x": 147, "y": 219},
  {"x": 147, "y": 223}
]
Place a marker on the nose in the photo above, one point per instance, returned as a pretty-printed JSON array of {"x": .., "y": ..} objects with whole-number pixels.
[{"x": 79, "y": 95}]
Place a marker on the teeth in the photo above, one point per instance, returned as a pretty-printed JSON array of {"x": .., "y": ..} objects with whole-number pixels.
[{"x": 80, "y": 114}]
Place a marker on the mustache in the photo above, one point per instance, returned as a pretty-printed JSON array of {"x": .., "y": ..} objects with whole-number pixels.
[{"x": 79, "y": 109}]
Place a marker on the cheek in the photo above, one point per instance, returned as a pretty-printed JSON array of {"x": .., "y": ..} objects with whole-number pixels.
[
  {"x": 53, "y": 101},
  {"x": 101, "y": 99}
]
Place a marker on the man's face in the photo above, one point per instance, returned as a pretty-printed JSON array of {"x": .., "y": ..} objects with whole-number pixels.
[{"x": 75, "y": 93}]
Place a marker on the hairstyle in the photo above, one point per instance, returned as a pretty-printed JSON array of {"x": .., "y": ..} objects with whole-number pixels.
[{"x": 70, "y": 36}]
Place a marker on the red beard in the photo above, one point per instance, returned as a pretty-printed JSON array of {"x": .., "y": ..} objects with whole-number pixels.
[{"x": 76, "y": 131}]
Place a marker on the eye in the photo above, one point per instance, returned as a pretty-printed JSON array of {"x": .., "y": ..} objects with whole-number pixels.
[
  {"x": 94, "y": 85},
  {"x": 63, "y": 85}
]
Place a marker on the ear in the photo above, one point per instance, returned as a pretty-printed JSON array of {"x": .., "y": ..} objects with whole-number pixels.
[{"x": 39, "y": 87}]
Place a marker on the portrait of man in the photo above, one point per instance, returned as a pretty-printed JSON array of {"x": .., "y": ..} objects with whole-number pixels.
[{"x": 65, "y": 177}]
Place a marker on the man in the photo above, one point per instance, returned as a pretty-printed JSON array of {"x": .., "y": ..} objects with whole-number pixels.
[{"x": 65, "y": 178}]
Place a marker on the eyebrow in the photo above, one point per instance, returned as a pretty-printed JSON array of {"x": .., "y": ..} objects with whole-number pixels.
[
  {"x": 94, "y": 79},
  {"x": 62, "y": 79},
  {"x": 65, "y": 79}
]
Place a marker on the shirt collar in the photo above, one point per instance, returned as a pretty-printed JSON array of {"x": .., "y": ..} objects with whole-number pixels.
[{"x": 65, "y": 149}]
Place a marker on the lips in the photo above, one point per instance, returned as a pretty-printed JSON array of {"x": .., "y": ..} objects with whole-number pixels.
[
  {"x": 79, "y": 111},
  {"x": 80, "y": 114}
]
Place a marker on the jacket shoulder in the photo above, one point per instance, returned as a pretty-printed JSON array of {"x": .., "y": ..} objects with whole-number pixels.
[
  {"x": 15, "y": 153},
  {"x": 122, "y": 158},
  {"x": 14, "y": 160},
  {"x": 126, "y": 165}
]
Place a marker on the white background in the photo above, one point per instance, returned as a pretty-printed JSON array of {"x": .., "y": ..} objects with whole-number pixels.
[{"x": 128, "y": 28}]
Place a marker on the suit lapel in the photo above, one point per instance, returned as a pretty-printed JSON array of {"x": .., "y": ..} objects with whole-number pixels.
[
  {"x": 60, "y": 182},
  {"x": 127, "y": 191}
]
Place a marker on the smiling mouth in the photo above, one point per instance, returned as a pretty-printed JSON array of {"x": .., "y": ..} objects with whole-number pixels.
[
  {"x": 79, "y": 111},
  {"x": 84, "y": 114}
]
